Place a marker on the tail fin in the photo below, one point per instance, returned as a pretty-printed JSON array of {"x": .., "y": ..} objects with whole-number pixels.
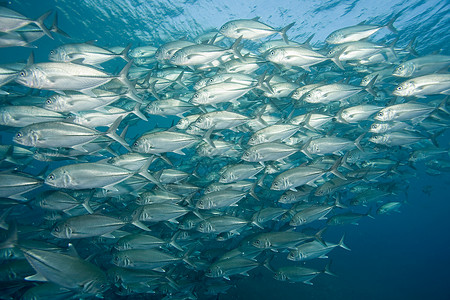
[
  {"x": 342, "y": 245},
  {"x": 122, "y": 77},
  {"x": 137, "y": 112},
  {"x": 111, "y": 133},
  {"x": 284, "y": 30},
  {"x": 124, "y": 53},
  {"x": 327, "y": 269},
  {"x": 334, "y": 169},
  {"x": 235, "y": 48},
  {"x": 40, "y": 23},
  {"x": 390, "y": 24},
  {"x": 55, "y": 27}
]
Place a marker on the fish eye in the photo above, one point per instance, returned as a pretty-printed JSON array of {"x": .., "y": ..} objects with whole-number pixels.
[
  {"x": 400, "y": 68},
  {"x": 211, "y": 80},
  {"x": 19, "y": 134},
  {"x": 135, "y": 144},
  {"x": 52, "y": 52},
  {"x": 49, "y": 101},
  {"x": 51, "y": 177},
  {"x": 257, "y": 242},
  {"x": 380, "y": 114},
  {"x": 22, "y": 73},
  {"x": 374, "y": 126},
  {"x": 56, "y": 229},
  {"x": 399, "y": 88},
  {"x": 272, "y": 52},
  {"x": 196, "y": 95}
]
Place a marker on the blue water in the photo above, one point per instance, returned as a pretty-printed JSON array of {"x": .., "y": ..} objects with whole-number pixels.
[{"x": 399, "y": 256}]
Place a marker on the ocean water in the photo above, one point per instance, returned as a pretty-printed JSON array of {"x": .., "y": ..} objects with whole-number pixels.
[{"x": 402, "y": 255}]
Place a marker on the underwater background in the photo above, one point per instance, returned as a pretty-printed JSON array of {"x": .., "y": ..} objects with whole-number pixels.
[{"x": 398, "y": 256}]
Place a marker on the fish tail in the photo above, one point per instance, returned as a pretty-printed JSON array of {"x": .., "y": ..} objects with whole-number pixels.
[
  {"x": 235, "y": 48},
  {"x": 342, "y": 245},
  {"x": 132, "y": 93},
  {"x": 390, "y": 24},
  {"x": 137, "y": 112},
  {"x": 111, "y": 133},
  {"x": 124, "y": 53},
  {"x": 336, "y": 60},
  {"x": 284, "y": 30},
  {"x": 327, "y": 269},
  {"x": 55, "y": 27},
  {"x": 40, "y": 23}
]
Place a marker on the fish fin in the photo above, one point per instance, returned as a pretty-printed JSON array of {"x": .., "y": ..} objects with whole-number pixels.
[
  {"x": 55, "y": 27},
  {"x": 140, "y": 225},
  {"x": 178, "y": 151},
  {"x": 226, "y": 277},
  {"x": 111, "y": 133},
  {"x": 124, "y": 53},
  {"x": 245, "y": 273},
  {"x": 36, "y": 277},
  {"x": 88, "y": 92},
  {"x": 284, "y": 30},
  {"x": 342, "y": 245},
  {"x": 39, "y": 22},
  {"x": 159, "y": 269},
  {"x": 390, "y": 24},
  {"x": 122, "y": 77},
  {"x": 307, "y": 282},
  {"x": 327, "y": 269}
]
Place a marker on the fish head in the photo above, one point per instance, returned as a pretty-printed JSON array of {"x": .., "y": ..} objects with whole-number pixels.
[
  {"x": 379, "y": 127},
  {"x": 278, "y": 184},
  {"x": 59, "y": 178},
  {"x": 313, "y": 148},
  {"x": 295, "y": 255},
  {"x": 204, "y": 122},
  {"x": 121, "y": 259},
  {"x": 194, "y": 130},
  {"x": 335, "y": 38},
  {"x": 62, "y": 230},
  {"x": 313, "y": 96},
  {"x": 153, "y": 109},
  {"x": 59, "y": 55},
  {"x": 287, "y": 198},
  {"x": 27, "y": 136},
  {"x": 227, "y": 177},
  {"x": 279, "y": 275},
  {"x": 179, "y": 58},
  {"x": 380, "y": 139},
  {"x": 32, "y": 77},
  {"x": 276, "y": 55},
  {"x": 256, "y": 139},
  {"x": 182, "y": 124},
  {"x": 322, "y": 191},
  {"x": 56, "y": 103},
  {"x": 201, "y": 83},
  {"x": 405, "y": 89},
  {"x": 229, "y": 29},
  {"x": 204, "y": 227},
  {"x": 142, "y": 146},
  {"x": 5, "y": 117},
  {"x": 365, "y": 81},
  {"x": 249, "y": 156},
  {"x": 386, "y": 114},
  {"x": 261, "y": 242},
  {"x": 204, "y": 203},
  {"x": 214, "y": 271},
  {"x": 122, "y": 245},
  {"x": 200, "y": 97},
  {"x": 404, "y": 70}
]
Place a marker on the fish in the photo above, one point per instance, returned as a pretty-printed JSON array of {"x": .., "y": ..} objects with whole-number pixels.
[
  {"x": 73, "y": 273},
  {"x": 358, "y": 32},
  {"x": 251, "y": 29}
]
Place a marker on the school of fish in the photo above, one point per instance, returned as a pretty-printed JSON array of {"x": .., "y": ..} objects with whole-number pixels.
[{"x": 272, "y": 142}]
